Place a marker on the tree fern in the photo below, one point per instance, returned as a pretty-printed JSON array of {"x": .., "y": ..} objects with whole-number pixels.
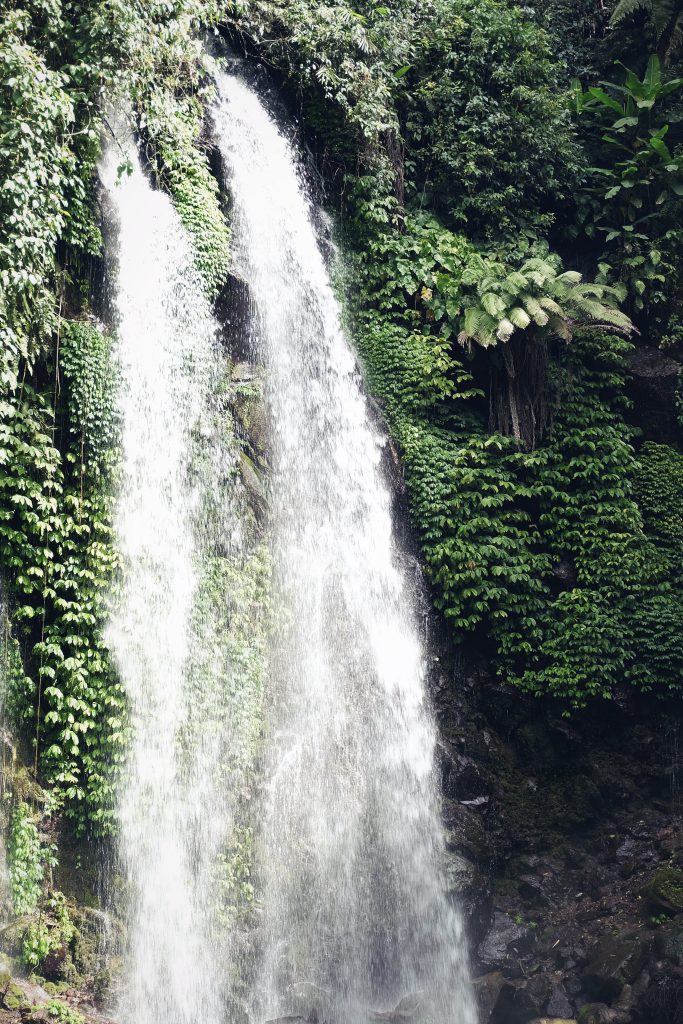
[{"x": 666, "y": 20}]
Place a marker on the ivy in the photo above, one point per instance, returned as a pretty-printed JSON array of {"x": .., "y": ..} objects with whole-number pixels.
[
  {"x": 27, "y": 859},
  {"x": 56, "y": 542}
]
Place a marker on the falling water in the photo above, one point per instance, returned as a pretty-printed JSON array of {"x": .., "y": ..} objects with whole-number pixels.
[
  {"x": 167, "y": 351},
  {"x": 354, "y": 916}
]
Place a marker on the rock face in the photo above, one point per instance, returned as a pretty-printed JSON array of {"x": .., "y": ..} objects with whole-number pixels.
[
  {"x": 566, "y": 832},
  {"x": 652, "y": 387}
]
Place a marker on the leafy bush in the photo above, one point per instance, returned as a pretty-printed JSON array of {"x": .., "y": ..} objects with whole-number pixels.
[
  {"x": 633, "y": 198},
  {"x": 542, "y": 553},
  {"x": 489, "y": 142},
  {"x": 46, "y": 943}
]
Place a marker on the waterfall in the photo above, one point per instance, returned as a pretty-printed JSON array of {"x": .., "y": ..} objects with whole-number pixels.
[
  {"x": 354, "y": 920},
  {"x": 167, "y": 808}
]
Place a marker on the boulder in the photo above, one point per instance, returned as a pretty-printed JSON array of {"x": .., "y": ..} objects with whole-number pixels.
[
  {"x": 558, "y": 1004},
  {"x": 594, "y": 1013},
  {"x": 554, "y": 1020},
  {"x": 669, "y": 942},
  {"x": 505, "y": 940},
  {"x": 614, "y": 962},
  {"x": 487, "y": 990},
  {"x": 519, "y": 1001}
]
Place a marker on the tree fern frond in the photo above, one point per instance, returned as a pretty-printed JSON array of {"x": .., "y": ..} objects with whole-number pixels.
[
  {"x": 537, "y": 276},
  {"x": 662, "y": 15},
  {"x": 505, "y": 330},
  {"x": 515, "y": 281},
  {"x": 625, "y": 8},
  {"x": 479, "y": 326},
  {"x": 590, "y": 307},
  {"x": 570, "y": 277},
  {"x": 615, "y": 318},
  {"x": 536, "y": 263},
  {"x": 545, "y": 302},
  {"x": 535, "y": 310},
  {"x": 488, "y": 284},
  {"x": 493, "y": 304},
  {"x": 519, "y": 317},
  {"x": 561, "y": 327}
]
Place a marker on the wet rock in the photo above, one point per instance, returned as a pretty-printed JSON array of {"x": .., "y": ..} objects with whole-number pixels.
[
  {"x": 652, "y": 388},
  {"x": 614, "y": 962},
  {"x": 405, "y": 1010},
  {"x": 248, "y": 405},
  {"x": 558, "y": 1004},
  {"x": 531, "y": 889},
  {"x": 251, "y": 478},
  {"x": 487, "y": 990},
  {"x": 662, "y": 1003},
  {"x": 669, "y": 942},
  {"x": 12, "y": 936},
  {"x": 517, "y": 1003},
  {"x": 505, "y": 940},
  {"x": 554, "y": 1020},
  {"x": 461, "y": 778},
  {"x": 594, "y": 1013},
  {"x": 465, "y": 831},
  {"x": 467, "y": 886},
  {"x": 235, "y": 312},
  {"x": 664, "y": 890}
]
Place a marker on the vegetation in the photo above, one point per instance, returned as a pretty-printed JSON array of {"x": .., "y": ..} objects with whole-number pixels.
[
  {"x": 27, "y": 859},
  {"x": 511, "y": 235}
]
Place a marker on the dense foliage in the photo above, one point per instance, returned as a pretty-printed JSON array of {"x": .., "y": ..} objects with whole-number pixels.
[
  {"x": 59, "y": 63},
  {"x": 501, "y": 364},
  {"x": 511, "y": 234}
]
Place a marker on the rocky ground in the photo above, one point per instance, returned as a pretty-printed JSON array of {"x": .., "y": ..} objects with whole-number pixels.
[{"x": 565, "y": 843}]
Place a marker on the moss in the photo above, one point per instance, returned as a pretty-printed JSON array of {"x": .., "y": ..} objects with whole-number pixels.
[
  {"x": 13, "y": 996},
  {"x": 664, "y": 889},
  {"x": 591, "y": 1014}
]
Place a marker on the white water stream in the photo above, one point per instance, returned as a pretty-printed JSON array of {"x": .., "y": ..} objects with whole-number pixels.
[
  {"x": 349, "y": 917},
  {"x": 168, "y": 358},
  {"x": 354, "y": 916}
]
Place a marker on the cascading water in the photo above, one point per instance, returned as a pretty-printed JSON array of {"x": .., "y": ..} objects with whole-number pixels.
[
  {"x": 169, "y": 828},
  {"x": 354, "y": 915}
]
